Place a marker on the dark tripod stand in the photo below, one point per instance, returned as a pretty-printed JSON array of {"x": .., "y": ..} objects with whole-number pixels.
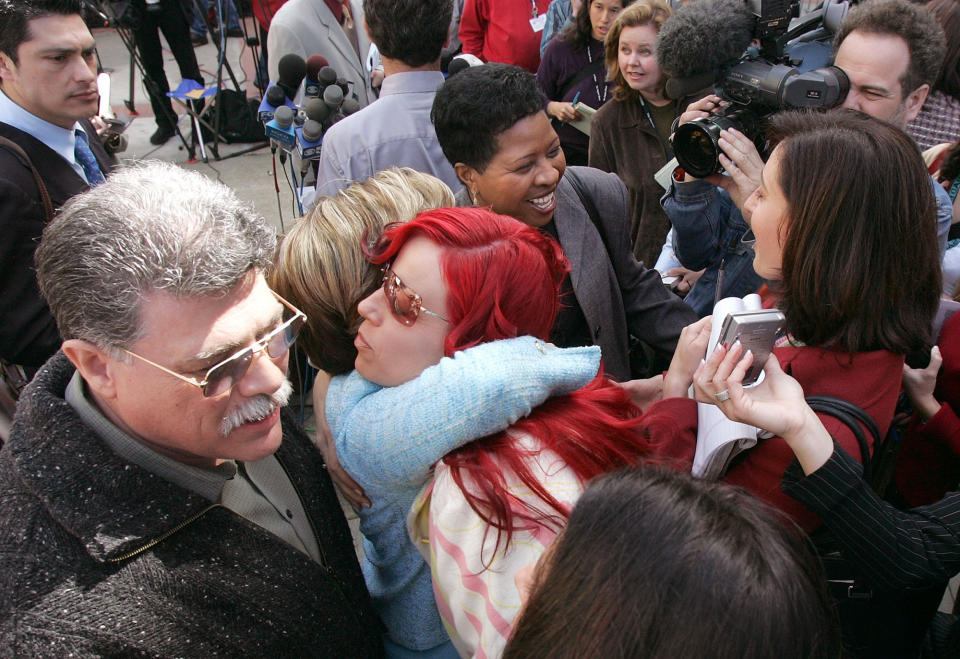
[{"x": 125, "y": 19}]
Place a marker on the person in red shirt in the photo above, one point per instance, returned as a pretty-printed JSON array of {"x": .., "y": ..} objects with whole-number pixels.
[
  {"x": 823, "y": 237},
  {"x": 506, "y": 31}
]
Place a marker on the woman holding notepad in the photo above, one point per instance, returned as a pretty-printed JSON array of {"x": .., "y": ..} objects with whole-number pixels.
[{"x": 573, "y": 76}]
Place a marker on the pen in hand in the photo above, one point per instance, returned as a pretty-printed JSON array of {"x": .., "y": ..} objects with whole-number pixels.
[{"x": 717, "y": 296}]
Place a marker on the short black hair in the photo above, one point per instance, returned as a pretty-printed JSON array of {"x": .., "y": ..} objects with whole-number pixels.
[
  {"x": 472, "y": 108},
  {"x": 411, "y": 31},
  {"x": 15, "y": 17},
  {"x": 912, "y": 23}
]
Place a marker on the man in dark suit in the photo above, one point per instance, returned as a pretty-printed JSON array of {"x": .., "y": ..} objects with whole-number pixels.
[
  {"x": 152, "y": 502},
  {"x": 51, "y": 153}
]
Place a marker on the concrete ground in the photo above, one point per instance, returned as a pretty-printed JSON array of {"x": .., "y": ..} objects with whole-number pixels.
[{"x": 249, "y": 174}]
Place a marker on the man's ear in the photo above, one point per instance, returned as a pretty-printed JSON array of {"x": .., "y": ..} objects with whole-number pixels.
[
  {"x": 7, "y": 67},
  {"x": 914, "y": 101},
  {"x": 467, "y": 174},
  {"x": 95, "y": 367}
]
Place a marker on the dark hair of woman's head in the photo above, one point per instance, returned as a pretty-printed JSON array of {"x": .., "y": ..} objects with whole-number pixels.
[
  {"x": 472, "y": 108},
  {"x": 950, "y": 169},
  {"x": 948, "y": 15},
  {"x": 654, "y": 563},
  {"x": 861, "y": 263},
  {"x": 579, "y": 33},
  {"x": 503, "y": 280}
]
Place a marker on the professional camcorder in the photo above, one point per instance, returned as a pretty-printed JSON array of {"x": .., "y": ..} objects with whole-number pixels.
[{"x": 757, "y": 68}]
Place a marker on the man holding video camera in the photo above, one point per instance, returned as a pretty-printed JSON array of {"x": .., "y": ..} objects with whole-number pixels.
[
  {"x": 891, "y": 52},
  {"x": 50, "y": 152}
]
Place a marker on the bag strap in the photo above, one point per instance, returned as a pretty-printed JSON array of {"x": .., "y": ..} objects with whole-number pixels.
[
  {"x": 25, "y": 159},
  {"x": 853, "y": 417},
  {"x": 581, "y": 75}
]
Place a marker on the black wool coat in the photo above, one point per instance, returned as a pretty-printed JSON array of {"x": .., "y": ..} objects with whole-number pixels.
[{"x": 99, "y": 557}]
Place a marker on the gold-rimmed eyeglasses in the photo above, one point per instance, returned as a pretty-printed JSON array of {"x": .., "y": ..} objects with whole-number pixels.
[{"x": 223, "y": 376}]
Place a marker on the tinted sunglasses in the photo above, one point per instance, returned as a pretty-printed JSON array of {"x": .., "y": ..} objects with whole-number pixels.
[{"x": 405, "y": 303}]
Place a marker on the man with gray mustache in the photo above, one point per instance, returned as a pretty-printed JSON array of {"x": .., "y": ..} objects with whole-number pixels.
[{"x": 152, "y": 500}]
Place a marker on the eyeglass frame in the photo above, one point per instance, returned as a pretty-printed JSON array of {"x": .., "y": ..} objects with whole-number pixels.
[
  {"x": 387, "y": 270},
  {"x": 258, "y": 346}
]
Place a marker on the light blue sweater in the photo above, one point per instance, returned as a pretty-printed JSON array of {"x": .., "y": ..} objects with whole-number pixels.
[{"x": 388, "y": 439}]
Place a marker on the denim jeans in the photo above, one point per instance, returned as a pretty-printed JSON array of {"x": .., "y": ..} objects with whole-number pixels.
[{"x": 200, "y": 27}]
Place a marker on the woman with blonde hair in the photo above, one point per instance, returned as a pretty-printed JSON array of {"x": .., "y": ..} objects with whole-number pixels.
[
  {"x": 630, "y": 136},
  {"x": 388, "y": 437},
  {"x": 321, "y": 267}
]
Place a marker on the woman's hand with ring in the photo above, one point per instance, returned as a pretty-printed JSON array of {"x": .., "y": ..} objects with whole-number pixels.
[{"x": 776, "y": 404}]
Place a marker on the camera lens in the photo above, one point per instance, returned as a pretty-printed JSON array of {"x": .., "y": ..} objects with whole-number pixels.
[{"x": 695, "y": 145}]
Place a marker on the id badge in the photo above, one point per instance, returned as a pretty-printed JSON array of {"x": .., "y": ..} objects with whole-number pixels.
[{"x": 538, "y": 22}]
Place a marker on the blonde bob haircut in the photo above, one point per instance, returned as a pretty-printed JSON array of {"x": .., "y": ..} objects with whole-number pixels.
[
  {"x": 321, "y": 267},
  {"x": 642, "y": 12}
]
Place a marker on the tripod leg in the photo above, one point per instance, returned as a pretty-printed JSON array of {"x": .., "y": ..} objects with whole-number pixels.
[
  {"x": 131, "y": 105},
  {"x": 198, "y": 137}
]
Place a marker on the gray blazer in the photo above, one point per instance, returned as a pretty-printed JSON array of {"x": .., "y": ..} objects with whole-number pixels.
[
  {"x": 307, "y": 27},
  {"x": 618, "y": 295}
]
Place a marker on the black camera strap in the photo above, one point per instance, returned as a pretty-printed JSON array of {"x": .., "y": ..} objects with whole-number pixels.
[{"x": 590, "y": 69}]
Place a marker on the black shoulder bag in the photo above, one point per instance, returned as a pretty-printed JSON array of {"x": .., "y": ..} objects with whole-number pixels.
[{"x": 874, "y": 623}]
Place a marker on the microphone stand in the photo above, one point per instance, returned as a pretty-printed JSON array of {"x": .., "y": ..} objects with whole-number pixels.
[{"x": 222, "y": 63}]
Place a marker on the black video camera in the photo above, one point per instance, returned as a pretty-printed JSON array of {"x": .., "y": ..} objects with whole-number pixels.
[{"x": 765, "y": 80}]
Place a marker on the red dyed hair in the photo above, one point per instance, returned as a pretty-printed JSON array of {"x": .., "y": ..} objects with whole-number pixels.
[{"x": 503, "y": 280}]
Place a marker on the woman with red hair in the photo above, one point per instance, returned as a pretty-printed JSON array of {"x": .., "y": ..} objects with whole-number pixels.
[{"x": 453, "y": 279}]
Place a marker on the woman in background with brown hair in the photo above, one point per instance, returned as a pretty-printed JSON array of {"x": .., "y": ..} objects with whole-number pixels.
[
  {"x": 630, "y": 136},
  {"x": 572, "y": 70}
]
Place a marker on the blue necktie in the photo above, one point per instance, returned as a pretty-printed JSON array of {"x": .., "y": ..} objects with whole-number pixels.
[{"x": 84, "y": 156}]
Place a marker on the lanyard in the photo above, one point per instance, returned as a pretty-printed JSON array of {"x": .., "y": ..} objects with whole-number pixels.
[
  {"x": 667, "y": 147},
  {"x": 596, "y": 85},
  {"x": 533, "y": 8}
]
